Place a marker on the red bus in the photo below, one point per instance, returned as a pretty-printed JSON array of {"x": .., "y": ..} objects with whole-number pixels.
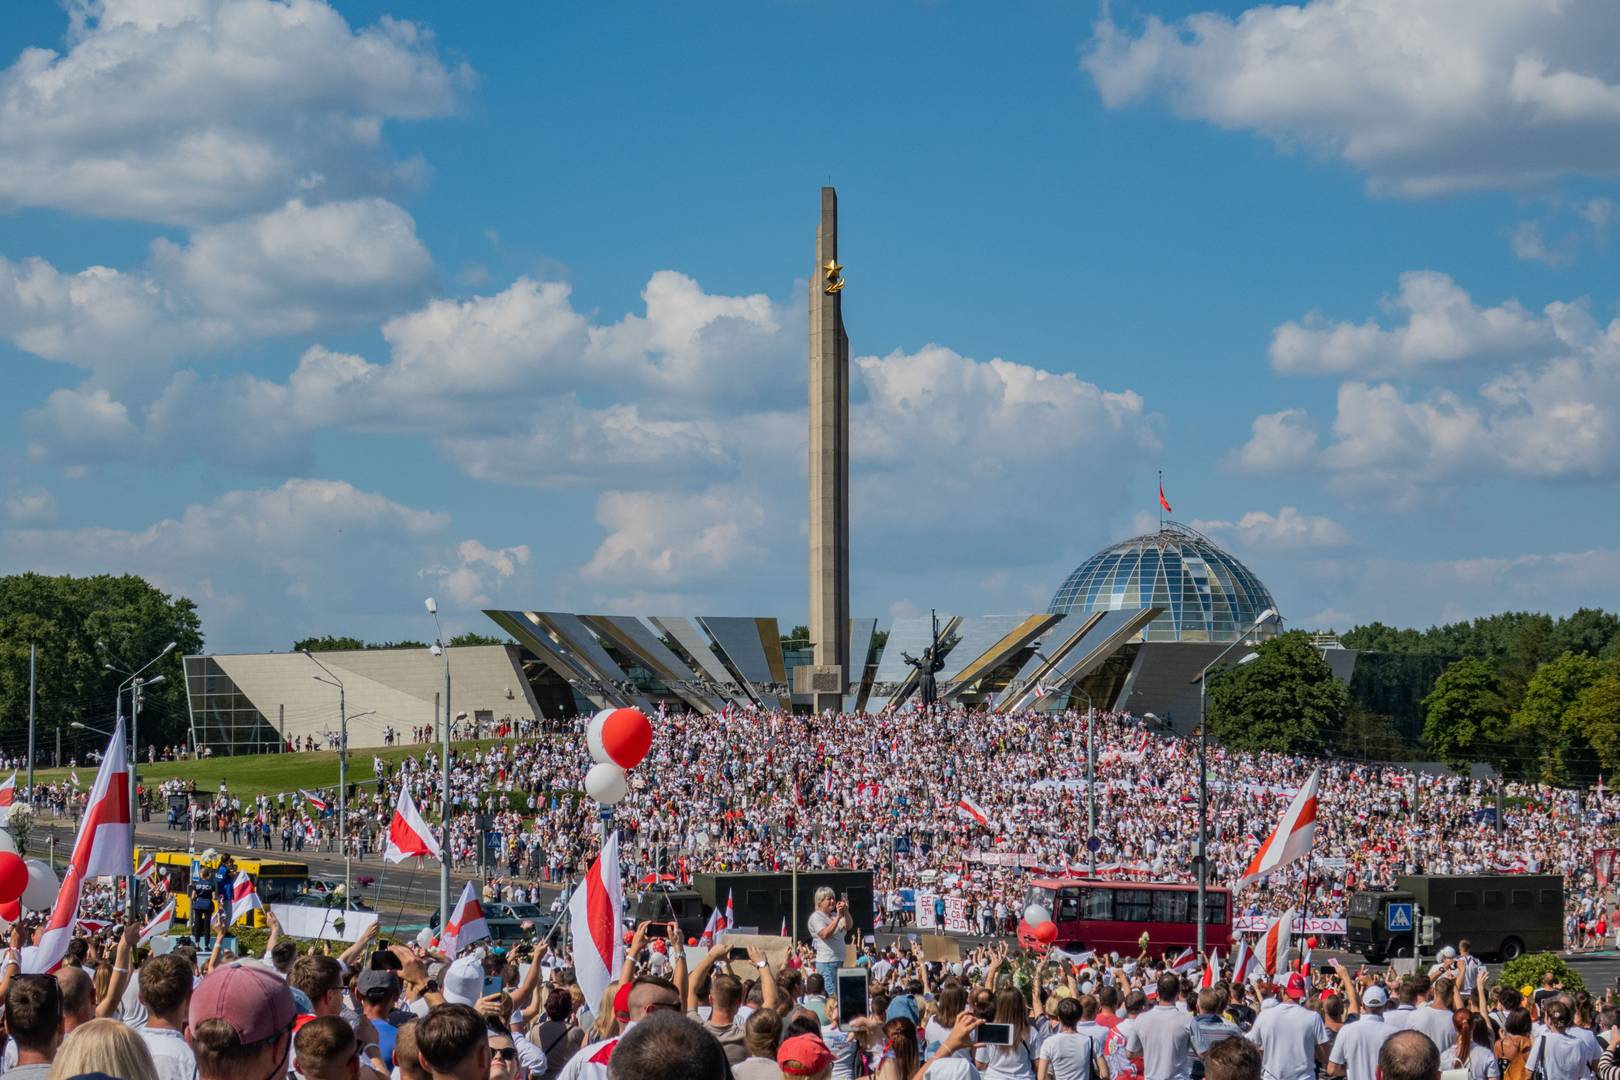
[{"x": 1112, "y": 916}]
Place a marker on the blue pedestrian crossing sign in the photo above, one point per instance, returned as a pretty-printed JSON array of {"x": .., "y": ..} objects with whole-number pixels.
[{"x": 1398, "y": 918}]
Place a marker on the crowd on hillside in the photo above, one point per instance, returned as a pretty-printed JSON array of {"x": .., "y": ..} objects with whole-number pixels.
[{"x": 766, "y": 790}]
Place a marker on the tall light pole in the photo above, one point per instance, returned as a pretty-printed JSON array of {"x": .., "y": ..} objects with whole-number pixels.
[
  {"x": 1202, "y": 857},
  {"x": 135, "y": 683},
  {"x": 343, "y": 769},
  {"x": 440, "y": 650}
]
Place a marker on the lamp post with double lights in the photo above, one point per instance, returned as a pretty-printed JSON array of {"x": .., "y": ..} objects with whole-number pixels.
[
  {"x": 135, "y": 684},
  {"x": 441, "y": 651},
  {"x": 343, "y": 768},
  {"x": 1266, "y": 616}
]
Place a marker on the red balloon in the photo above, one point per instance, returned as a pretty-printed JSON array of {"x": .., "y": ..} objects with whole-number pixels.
[
  {"x": 691, "y": 941},
  {"x": 628, "y": 937},
  {"x": 1046, "y": 933},
  {"x": 13, "y": 876},
  {"x": 627, "y": 736},
  {"x": 11, "y": 911}
]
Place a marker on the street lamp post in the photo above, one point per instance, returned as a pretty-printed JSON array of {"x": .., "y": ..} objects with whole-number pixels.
[
  {"x": 440, "y": 650},
  {"x": 343, "y": 769},
  {"x": 135, "y": 683},
  {"x": 1265, "y": 616}
]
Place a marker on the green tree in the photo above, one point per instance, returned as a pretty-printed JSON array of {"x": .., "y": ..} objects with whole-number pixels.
[
  {"x": 1372, "y": 737},
  {"x": 1465, "y": 716},
  {"x": 329, "y": 643},
  {"x": 1596, "y": 717},
  {"x": 470, "y": 638},
  {"x": 1544, "y": 724},
  {"x": 1590, "y": 630},
  {"x": 80, "y": 625},
  {"x": 1286, "y": 699}
]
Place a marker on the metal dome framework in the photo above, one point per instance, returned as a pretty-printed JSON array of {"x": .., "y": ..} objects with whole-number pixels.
[{"x": 1206, "y": 593}]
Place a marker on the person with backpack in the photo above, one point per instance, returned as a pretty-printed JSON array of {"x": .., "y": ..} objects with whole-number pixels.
[
  {"x": 1513, "y": 1047},
  {"x": 1067, "y": 1054}
]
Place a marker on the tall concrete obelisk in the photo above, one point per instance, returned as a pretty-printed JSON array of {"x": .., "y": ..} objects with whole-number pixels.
[{"x": 829, "y": 467}]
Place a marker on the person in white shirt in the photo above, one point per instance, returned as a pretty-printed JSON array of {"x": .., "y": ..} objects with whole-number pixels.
[
  {"x": 829, "y": 927},
  {"x": 1291, "y": 1038},
  {"x": 1431, "y": 1018},
  {"x": 1561, "y": 1051},
  {"x": 1067, "y": 1054},
  {"x": 166, "y": 993},
  {"x": 1163, "y": 1035},
  {"x": 1355, "y": 1050}
]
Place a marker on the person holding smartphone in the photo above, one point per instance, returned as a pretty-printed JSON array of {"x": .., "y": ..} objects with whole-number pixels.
[{"x": 830, "y": 925}]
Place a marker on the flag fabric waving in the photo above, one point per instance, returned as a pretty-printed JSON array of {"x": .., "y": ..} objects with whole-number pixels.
[
  {"x": 1273, "y": 949},
  {"x": 159, "y": 925},
  {"x": 8, "y": 790},
  {"x": 712, "y": 928},
  {"x": 244, "y": 898},
  {"x": 146, "y": 869},
  {"x": 466, "y": 924},
  {"x": 408, "y": 834},
  {"x": 314, "y": 800},
  {"x": 1293, "y": 836},
  {"x": 1185, "y": 962},
  {"x": 595, "y": 911},
  {"x": 1212, "y": 971},
  {"x": 105, "y": 846},
  {"x": 971, "y": 810},
  {"x": 1164, "y": 502},
  {"x": 1242, "y": 960}
]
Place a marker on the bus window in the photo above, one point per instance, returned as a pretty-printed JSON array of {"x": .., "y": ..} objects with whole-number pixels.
[
  {"x": 1068, "y": 908},
  {"x": 274, "y": 890},
  {"x": 1550, "y": 898},
  {"x": 1133, "y": 905},
  {"x": 1171, "y": 905},
  {"x": 1464, "y": 901},
  {"x": 1494, "y": 899},
  {"x": 1044, "y": 897},
  {"x": 1521, "y": 898},
  {"x": 1097, "y": 904},
  {"x": 1215, "y": 908}
]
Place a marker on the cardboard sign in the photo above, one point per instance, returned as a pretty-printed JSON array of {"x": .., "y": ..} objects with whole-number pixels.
[
  {"x": 775, "y": 948},
  {"x": 938, "y": 947}
]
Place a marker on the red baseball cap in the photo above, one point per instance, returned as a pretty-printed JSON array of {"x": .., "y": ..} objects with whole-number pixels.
[
  {"x": 621, "y": 1002},
  {"x": 250, "y": 998},
  {"x": 1295, "y": 987},
  {"x": 803, "y": 1055}
]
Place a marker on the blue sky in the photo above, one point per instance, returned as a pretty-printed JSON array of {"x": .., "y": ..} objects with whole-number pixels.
[{"x": 310, "y": 310}]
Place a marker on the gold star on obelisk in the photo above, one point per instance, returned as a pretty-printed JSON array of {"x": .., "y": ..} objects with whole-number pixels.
[{"x": 832, "y": 272}]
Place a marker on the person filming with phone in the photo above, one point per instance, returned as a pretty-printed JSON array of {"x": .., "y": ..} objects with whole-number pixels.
[{"x": 830, "y": 925}]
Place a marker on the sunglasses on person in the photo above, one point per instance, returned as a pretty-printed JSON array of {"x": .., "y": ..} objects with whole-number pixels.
[{"x": 505, "y": 1053}]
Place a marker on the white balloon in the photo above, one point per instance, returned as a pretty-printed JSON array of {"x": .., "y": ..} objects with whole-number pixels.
[
  {"x": 42, "y": 888},
  {"x": 1035, "y": 914},
  {"x": 606, "y": 783},
  {"x": 593, "y": 738}
]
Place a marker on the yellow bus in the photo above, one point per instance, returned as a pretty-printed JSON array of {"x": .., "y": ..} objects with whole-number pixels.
[{"x": 276, "y": 880}]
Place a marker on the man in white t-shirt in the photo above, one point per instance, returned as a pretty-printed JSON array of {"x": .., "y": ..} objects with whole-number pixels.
[
  {"x": 1291, "y": 1038},
  {"x": 1069, "y": 1054},
  {"x": 1162, "y": 1036},
  {"x": 1355, "y": 1049}
]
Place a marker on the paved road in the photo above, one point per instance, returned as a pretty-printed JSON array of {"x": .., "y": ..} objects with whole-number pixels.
[{"x": 416, "y": 893}]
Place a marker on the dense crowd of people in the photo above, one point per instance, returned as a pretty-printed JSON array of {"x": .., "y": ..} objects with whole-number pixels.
[{"x": 767, "y": 790}]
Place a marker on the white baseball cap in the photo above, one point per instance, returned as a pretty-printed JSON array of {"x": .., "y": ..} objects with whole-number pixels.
[{"x": 464, "y": 981}]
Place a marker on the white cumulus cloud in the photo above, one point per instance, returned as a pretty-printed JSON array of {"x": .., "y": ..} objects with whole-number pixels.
[
  {"x": 1286, "y": 531},
  {"x": 1427, "y": 97}
]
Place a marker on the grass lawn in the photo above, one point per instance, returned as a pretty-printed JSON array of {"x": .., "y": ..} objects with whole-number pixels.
[{"x": 255, "y": 774}]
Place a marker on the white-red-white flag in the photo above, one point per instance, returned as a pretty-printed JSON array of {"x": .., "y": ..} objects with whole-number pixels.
[
  {"x": 244, "y": 898},
  {"x": 408, "y": 834},
  {"x": 466, "y": 925},
  {"x": 8, "y": 790},
  {"x": 159, "y": 925},
  {"x": 314, "y": 800},
  {"x": 1185, "y": 962},
  {"x": 1293, "y": 836},
  {"x": 1242, "y": 961},
  {"x": 595, "y": 910},
  {"x": 1212, "y": 971},
  {"x": 712, "y": 928},
  {"x": 105, "y": 846},
  {"x": 146, "y": 869},
  {"x": 1272, "y": 953},
  {"x": 971, "y": 810}
]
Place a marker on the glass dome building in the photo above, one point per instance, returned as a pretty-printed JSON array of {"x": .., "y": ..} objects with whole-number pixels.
[{"x": 1206, "y": 594}]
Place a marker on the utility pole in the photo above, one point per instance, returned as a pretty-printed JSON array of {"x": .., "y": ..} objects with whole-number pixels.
[
  {"x": 32, "y": 691},
  {"x": 441, "y": 650}
]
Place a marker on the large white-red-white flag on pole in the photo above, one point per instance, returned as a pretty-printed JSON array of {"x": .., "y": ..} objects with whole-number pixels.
[
  {"x": 595, "y": 911},
  {"x": 1242, "y": 961},
  {"x": 8, "y": 790},
  {"x": 105, "y": 846},
  {"x": 1293, "y": 836},
  {"x": 159, "y": 924},
  {"x": 466, "y": 925},
  {"x": 408, "y": 834},
  {"x": 1212, "y": 971},
  {"x": 966, "y": 807},
  {"x": 1272, "y": 952}
]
